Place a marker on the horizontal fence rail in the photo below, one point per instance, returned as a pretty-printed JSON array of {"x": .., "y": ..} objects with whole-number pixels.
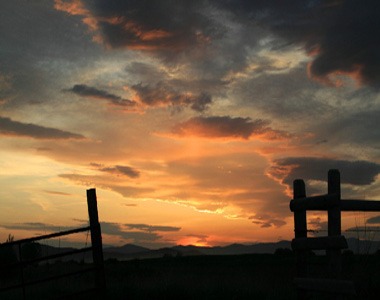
[
  {"x": 46, "y": 236},
  {"x": 333, "y": 243},
  {"x": 96, "y": 247},
  {"x": 325, "y": 202}
]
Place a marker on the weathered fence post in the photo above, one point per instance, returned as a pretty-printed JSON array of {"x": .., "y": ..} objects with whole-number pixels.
[
  {"x": 334, "y": 223},
  {"x": 96, "y": 240},
  {"x": 333, "y": 243},
  {"x": 300, "y": 231}
]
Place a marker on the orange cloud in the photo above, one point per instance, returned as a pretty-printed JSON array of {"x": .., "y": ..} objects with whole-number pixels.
[{"x": 75, "y": 7}]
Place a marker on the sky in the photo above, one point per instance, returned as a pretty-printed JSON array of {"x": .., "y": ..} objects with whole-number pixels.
[{"x": 190, "y": 118}]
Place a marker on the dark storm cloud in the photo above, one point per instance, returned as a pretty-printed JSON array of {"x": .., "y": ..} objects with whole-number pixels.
[
  {"x": 92, "y": 92},
  {"x": 312, "y": 168},
  {"x": 226, "y": 126},
  {"x": 118, "y": 170},
  {"x": 175, "y": 31},
  {"x": 145, "y": 25},
  {"x": 152, "y": 228},
  {"x": 163, "y": 94},
  {"x": 15, "y": 128},
  {"x": 342, "y": 35}
]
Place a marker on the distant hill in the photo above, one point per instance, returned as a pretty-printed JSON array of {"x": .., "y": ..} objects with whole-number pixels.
[
  {"x": 127, "y": 249},
  {"x": 131, "y": 251}
]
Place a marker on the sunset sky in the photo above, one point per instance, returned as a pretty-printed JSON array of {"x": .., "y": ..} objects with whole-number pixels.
[{"x": 190, "y": 118}]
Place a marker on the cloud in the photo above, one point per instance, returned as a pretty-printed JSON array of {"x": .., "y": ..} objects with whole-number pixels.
[
  {"x": 314, "y": 168},
  {"x": 57, "y": 193},
  {"x": 143, "y": 25},
  {"x": 92, "y": 92},
  {"x": 317, "y": 226},
  {"x": 152, "y": 228},
  {"x": 162, "y": 95},
  {"x": 138, "y": 234},
  {"x": 104, "y": 182},
  {"x": 349, "y": 45},
  {"x": 360, "y": 125},
  {"x": 374, "y": 220},
  {"x": 266, "y": 221},
  {"x": 35, "y": 226},
  {"x": 138, "y": 237},
  {"x": 142, "y": 234},
  {"x": 118, "y": 170},
  {"x": 199, "y": 239},
  {"x": 15, "y": 128},
  {"x": 227, "y": 127},
  {"x": 339, "y": 35}
]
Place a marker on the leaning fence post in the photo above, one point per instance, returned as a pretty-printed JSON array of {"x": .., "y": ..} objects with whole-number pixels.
[
  {"x": 334, "y": 223},
  {"x": 300, "y": 231},
  {"x": 96, "y": 240}
]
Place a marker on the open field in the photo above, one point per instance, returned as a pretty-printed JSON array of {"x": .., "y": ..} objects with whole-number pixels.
[{"x": 254, "y": 276}]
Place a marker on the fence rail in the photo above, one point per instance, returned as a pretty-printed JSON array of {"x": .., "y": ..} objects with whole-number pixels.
[
  {"x": 333, "y": 243},
  {"x": 46, "y": 236},
  {"x": 96, "y": 248}
]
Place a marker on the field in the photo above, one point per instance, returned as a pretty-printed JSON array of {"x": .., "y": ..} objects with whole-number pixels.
[{"x": 255, "y": 276}]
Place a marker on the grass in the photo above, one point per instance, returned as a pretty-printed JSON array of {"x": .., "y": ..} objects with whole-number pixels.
[
  {"x": 202, "y": 277},
  {"x": 256, "y": 276}
]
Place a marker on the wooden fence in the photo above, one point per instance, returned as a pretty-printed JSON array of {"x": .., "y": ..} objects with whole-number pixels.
[
  {"x": 333, "y": 243},
  {"x": 97, "y": 255}
]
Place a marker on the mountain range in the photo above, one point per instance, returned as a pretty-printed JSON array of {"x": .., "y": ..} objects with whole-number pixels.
[{"x": 131, "y": 251}]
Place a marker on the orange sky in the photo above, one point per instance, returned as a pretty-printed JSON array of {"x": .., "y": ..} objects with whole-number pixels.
[{"x": 190, "y": 119}]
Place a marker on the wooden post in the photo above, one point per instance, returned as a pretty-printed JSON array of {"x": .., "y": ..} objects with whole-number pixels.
[
  {"x": 300, "y": 231},
  {"x": 334, "y": 224},
  {"x": 96, "y": 240}
]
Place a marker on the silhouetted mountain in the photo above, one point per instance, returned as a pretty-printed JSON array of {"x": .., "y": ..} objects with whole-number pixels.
[
  {"x": 355, "y": 245},
  {"x": 190, "y": 250},
  {"x": 127, "y": 249},
  {"x": 130, "y": 251}
]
